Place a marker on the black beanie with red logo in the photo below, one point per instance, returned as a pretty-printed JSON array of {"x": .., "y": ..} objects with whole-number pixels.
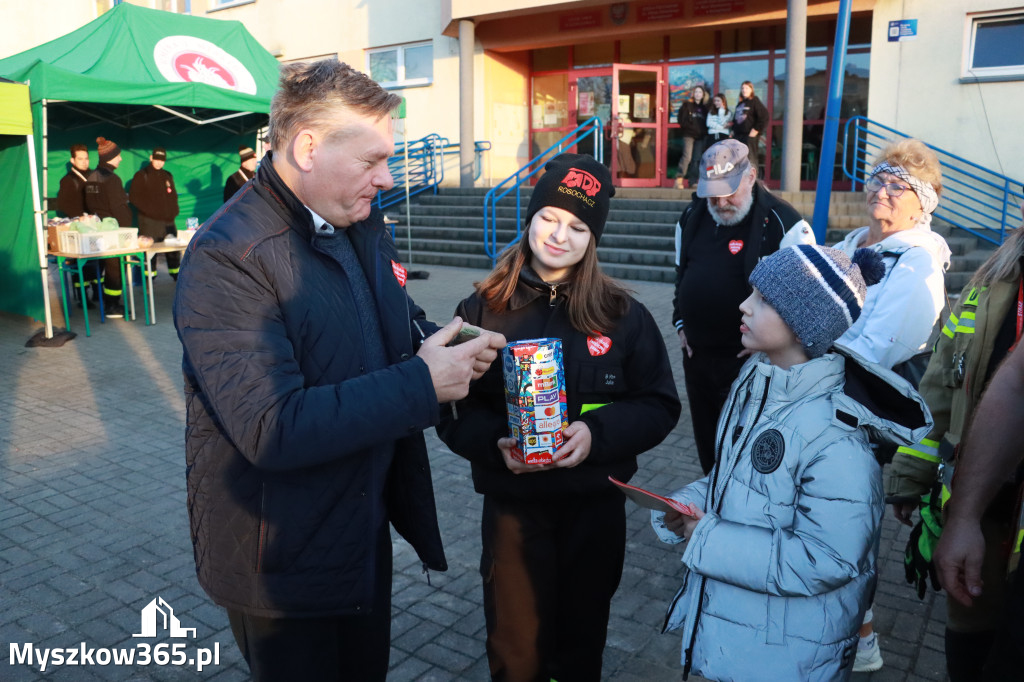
[{"x": 577, "y": 183}]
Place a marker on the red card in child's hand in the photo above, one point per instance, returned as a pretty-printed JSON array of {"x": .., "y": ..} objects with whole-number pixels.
[{"x": 649, "y": 500}]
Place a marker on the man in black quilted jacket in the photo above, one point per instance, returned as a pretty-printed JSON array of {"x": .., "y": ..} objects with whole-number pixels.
[{"x": 309, "y": 377}]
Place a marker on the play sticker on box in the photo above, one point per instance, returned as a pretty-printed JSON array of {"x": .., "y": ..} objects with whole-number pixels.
[{"x": 535, "y": 398}]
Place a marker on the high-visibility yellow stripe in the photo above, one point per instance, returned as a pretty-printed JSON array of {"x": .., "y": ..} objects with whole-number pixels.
[
  {"x": 950, "y": 327},
  {"x": 927, "y": 449},
  {"x": 111, "y": 292},
  {"x": 1017, "y": 544},
  {"x": 944, "y": 496},
  {"x": 587, "y": 407}
]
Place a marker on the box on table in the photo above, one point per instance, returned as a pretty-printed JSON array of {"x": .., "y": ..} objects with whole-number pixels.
[
  {"x": 185, "y": 236},
  {"x": 53, "y": 233},
  {"x": 535, "y": 398},
  {"x": 85, "y": 243}
]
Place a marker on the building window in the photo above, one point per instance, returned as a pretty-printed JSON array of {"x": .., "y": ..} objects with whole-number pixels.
[
  {"x": 215, "y": 5},
  {"x": 176, "y": 6},
  {"x": 995, "y": 46},
  {"x": 402, "y": 66}
]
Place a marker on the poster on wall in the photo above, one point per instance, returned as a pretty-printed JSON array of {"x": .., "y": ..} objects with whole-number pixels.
[
  {"x": 642, "y": 105},
  {"x": 585, "y": 104},
  {"x": 550, "y": 114},
  {"x": 624, "y": 104}
]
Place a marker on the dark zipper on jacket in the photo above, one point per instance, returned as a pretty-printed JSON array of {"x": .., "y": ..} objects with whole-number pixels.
[
  {"x": 553, "y": 295},
  {"x": 714, "y": 483}
]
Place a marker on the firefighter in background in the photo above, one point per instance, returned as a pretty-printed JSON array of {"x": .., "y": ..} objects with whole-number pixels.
[
  {"x": 105, "y": 196},
  {"x": 155, "y": 197},
  {"x": 247, "y": 159},
  {"x": 71, "y": 204}
]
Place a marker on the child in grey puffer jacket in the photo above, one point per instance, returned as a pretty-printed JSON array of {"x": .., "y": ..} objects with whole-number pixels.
[{"x": 781, "y": 553}]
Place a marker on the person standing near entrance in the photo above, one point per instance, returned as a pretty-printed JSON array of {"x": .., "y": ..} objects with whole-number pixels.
[
  {"x": 692, "y": 119},
  {"x": 105, "y": 196},
  {"x": 156, "y": 199},
  {"x": 245, "y": 172},
  {"x": 749, "y": 120},
  {"x": 719, "y": 121},
  {"x": 310, "y": 375},
  {"x": 720, "y": 237}
]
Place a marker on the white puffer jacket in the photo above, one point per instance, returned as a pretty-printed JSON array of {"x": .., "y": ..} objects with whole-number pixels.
[
  {"x": 781, "y": 568},
  {"x": 901, "y": 310}
]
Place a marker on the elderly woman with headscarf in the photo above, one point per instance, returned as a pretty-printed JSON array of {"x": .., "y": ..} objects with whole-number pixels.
[{"x": 901, "y": 310}]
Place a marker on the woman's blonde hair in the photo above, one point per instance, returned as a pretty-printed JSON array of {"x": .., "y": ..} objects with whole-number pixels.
[
  {"x": 595, "y": 301},
  {"x": 1003, "y": 264},
  {"x": 917, "y": 158}
]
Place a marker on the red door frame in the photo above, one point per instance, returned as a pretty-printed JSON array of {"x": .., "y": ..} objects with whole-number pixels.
[{"x": 657, "y": 127}]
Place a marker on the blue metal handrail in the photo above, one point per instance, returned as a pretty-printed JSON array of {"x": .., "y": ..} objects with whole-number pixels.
[
  {"x": 425, "y": 171},
  {"x": 974, "y": 198},
  {"x": 592, "y": 126},
  {"x": 479, "y": 147}
]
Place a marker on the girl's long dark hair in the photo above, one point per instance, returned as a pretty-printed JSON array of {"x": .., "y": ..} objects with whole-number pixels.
[
  {"x": 725, "y": 102},
  {"x": 595, "y": 301}
]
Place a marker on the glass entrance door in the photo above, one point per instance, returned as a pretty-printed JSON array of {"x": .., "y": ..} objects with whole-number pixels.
[{"x": 637, "y": 130}]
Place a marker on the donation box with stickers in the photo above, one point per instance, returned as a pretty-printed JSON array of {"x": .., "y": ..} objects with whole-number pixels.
[{"x": 535, "y": 398}]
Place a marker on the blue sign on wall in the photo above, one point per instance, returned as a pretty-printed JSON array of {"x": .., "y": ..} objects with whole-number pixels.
[{"x": 904, "y": 29}]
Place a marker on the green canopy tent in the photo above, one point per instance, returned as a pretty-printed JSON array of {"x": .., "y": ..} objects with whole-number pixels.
[{"x": 144, "y": 78}]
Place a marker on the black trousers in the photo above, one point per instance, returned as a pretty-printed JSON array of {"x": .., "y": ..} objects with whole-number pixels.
[
  {"x": 709, "y": 375},
  {"x": 157, "y": 230},
  {"x": 550, "y": 569},
  {"x": 1006, "y": 660},
  {"x": 338, "y": 648},
  {"x": 753, "y": 147}
]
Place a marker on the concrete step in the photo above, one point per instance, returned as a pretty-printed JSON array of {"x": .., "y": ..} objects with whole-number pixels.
[
  {"x": 674, "y": 205},
  {"x": 615, "y": 214},
  {"x": 638, "y": 241},
  {"x": 473, "y": 228},
  {"x": 425, "y": 236}
]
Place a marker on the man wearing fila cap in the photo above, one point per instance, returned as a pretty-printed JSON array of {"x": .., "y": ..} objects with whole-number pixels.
[{"x": 721, "y": 236}]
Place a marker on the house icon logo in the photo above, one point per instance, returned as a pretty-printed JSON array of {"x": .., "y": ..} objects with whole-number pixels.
[{"x": 159, "y": 612}]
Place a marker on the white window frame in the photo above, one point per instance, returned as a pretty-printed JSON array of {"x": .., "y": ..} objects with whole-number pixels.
[
  {"x": 402, "y": 81},
  {"x": 971, "y": 74},
  {"x": 216, "y": 5}
]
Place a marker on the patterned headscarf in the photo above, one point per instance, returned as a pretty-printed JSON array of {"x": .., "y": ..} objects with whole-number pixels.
[{"x": 926, "y": 194}]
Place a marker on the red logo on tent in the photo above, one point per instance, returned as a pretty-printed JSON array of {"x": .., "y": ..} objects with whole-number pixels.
[
  {"x": 195, "y": 67},
  {"x": 401, "y": 274},
  {"x": 598, "y": 345},
  {"x": 735, "y": 246}
]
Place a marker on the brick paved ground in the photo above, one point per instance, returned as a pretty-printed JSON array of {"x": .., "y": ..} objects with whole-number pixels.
[{"x": 93, "y": 522}]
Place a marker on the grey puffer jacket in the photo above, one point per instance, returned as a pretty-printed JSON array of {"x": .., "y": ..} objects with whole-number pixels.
[{"x": 781, "y": 568}]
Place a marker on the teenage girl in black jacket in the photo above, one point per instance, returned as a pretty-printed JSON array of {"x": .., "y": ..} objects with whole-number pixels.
[
  {"x": 749, "y": 120},
  {"x": 554, "y": 534}
]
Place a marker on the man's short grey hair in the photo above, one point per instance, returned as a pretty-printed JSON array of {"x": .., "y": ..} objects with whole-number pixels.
[{"x": 313, "y": 94}]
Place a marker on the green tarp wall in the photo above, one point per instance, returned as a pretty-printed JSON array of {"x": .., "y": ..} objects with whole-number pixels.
[{"x": 21, "y": 289}]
